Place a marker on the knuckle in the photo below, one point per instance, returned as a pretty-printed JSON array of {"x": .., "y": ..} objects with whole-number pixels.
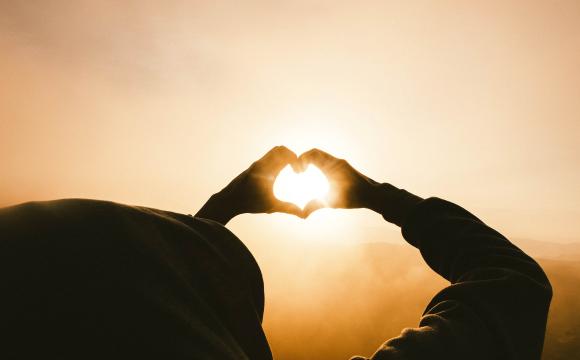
[
  {"x": 281, "y": 151},
  {"x": 255, "y": 166}
]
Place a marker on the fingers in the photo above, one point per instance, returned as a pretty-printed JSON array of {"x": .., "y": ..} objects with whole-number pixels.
[
  {"x": 278, "y": 157},
  {"x": 322, "y": 160},
  {"x": 288, "y": 208},
  {"x": 311, "y": 207}
]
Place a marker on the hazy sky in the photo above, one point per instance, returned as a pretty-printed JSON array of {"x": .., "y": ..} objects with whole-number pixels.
[{"x": 161, "y": 103}]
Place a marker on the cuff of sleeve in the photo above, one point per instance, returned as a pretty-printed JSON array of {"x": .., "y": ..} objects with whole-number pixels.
[{"x": 395, "y": 204}]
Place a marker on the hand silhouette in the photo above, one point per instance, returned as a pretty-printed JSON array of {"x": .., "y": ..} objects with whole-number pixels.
[
  {"x": 252, "y": 190},
  {"x": 349, "y": 188}
]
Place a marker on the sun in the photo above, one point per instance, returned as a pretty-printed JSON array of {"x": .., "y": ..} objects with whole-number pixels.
[{"x": 301, "y": 188}]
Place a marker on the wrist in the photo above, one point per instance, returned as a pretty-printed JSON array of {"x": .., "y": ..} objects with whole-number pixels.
[
  {"x": 392, "y": 203},
  {"x": 377, "y": 195},
  {"x": 219, "y": 208}
]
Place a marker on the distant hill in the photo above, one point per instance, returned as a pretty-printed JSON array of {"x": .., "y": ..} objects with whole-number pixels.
[
  {"x": 344, "y": 300},
  {"x": 562, "y": 338},
  {"x": 549, "y": 250}
]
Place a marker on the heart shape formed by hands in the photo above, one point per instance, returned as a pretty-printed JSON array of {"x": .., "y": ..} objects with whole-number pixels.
[{"x": 300, "y": 188}]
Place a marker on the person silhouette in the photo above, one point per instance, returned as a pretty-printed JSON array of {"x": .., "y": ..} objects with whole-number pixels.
[{"x": 96, "y": 279}]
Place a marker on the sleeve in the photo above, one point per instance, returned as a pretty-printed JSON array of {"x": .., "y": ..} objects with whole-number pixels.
[{"x": 497, "y": 303}]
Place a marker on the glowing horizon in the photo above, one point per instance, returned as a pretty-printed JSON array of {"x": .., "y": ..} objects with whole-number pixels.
[{"x": 162, "y": 104}]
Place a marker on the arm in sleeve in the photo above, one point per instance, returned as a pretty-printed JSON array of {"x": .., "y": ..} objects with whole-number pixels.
[{"x": 497, "y": 303}]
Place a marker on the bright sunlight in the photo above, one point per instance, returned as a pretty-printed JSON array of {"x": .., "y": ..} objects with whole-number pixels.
[{"x": 301, "y": 188}]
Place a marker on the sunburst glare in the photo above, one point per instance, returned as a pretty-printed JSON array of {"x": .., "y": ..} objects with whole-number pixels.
[{"x": 301, "y": 188}]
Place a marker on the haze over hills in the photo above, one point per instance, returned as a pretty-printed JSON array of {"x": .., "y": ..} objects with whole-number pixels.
[
  {"x": 550, "y": 250},
  {"x": 346, "y": 300},
  {"x": 562, "y": 338},
  {"x": 561, "y": 262}
]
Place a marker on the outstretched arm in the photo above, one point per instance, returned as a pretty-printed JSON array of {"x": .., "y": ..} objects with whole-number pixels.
[{"x": 497, "y": 303}]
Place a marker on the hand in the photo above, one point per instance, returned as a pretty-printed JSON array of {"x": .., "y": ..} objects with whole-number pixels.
[
  {"x": 252, "y": 190},
  {"x": 349, "y": 188}
]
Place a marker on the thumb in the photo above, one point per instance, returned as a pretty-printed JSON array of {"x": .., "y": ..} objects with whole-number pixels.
[
  {"x": 312, "y": 206},
  {"x": 288, "y": 208}
]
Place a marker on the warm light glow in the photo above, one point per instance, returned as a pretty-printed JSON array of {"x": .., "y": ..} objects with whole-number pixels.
[{"x": 301, "y": 188}]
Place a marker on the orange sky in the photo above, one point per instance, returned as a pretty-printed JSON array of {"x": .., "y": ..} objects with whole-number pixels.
[{"x": 162, "y": 103}]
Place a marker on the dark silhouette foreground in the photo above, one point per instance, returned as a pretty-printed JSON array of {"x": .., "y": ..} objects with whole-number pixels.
[{"x": 94, "y": 279}]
